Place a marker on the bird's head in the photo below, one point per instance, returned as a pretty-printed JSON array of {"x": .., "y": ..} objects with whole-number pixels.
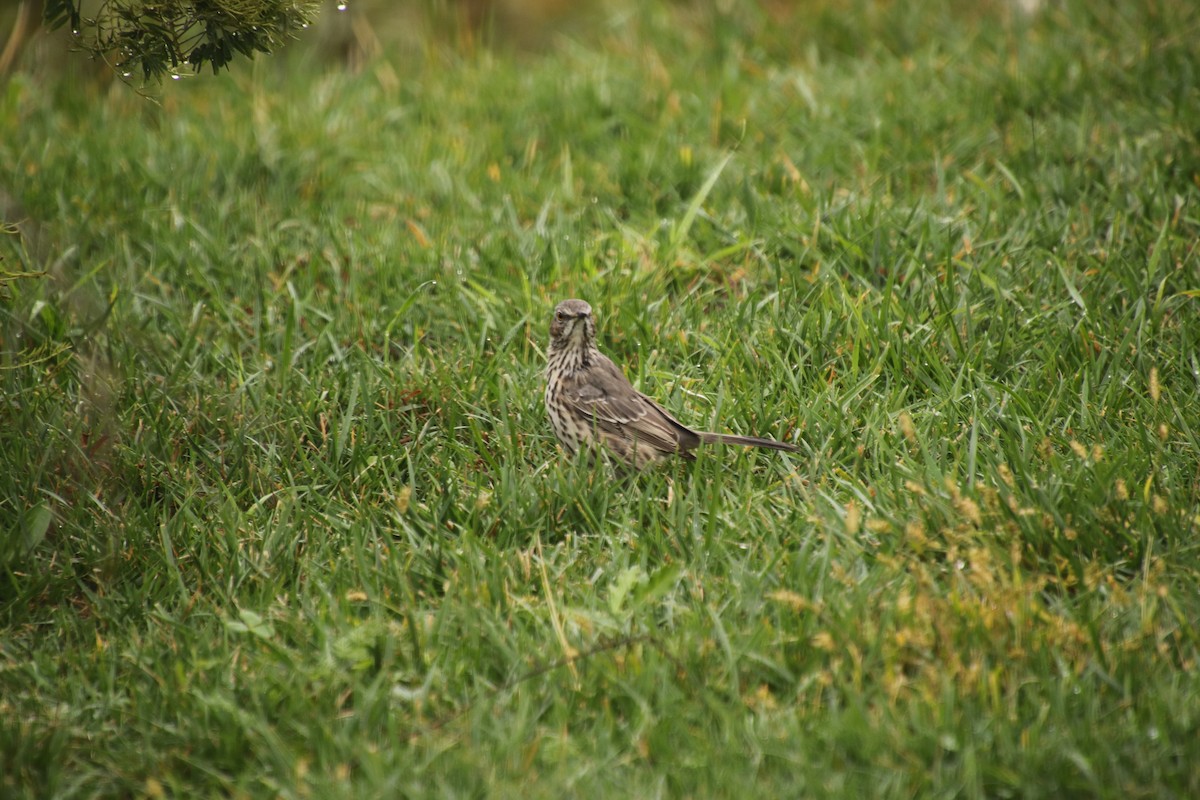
[{"x": 572, "y": 324}]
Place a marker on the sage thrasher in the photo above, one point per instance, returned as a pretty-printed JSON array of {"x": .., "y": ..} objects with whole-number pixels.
[{"x": 589, "y": 401}]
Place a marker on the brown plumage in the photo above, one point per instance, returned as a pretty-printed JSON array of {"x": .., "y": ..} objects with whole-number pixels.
[{"x": 589, "y": 401}]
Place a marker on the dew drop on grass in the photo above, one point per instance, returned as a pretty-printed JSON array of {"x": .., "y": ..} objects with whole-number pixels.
[{"x": 174, "y": 77}]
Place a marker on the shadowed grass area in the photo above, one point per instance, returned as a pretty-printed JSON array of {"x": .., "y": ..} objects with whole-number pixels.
[{"x": 283, "y": 515}]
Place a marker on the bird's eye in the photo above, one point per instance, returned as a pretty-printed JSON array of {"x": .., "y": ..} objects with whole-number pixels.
[{"x": 558, "y": 315}]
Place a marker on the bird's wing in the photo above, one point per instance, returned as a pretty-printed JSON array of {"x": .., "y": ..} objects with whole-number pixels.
[{"x": 605, "y": 397}]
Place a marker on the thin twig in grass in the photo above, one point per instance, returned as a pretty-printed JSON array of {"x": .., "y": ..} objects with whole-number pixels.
[{"x": 569, "y": 660}]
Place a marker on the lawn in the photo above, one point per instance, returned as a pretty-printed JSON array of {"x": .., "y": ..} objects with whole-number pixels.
[{"x": 282, "y": 514}]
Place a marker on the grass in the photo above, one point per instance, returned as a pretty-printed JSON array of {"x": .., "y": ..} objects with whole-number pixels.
[{"x": 283, "y": 515}]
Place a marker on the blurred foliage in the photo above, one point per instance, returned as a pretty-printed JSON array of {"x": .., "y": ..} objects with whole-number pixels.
[{"x": 157, "y": 39}]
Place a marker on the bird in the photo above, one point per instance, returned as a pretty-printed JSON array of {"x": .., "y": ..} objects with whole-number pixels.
[{"x": 590, "y": 402}]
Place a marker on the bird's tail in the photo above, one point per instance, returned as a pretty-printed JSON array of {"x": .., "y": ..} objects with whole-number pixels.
[{"x": 709, "y": 437}]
